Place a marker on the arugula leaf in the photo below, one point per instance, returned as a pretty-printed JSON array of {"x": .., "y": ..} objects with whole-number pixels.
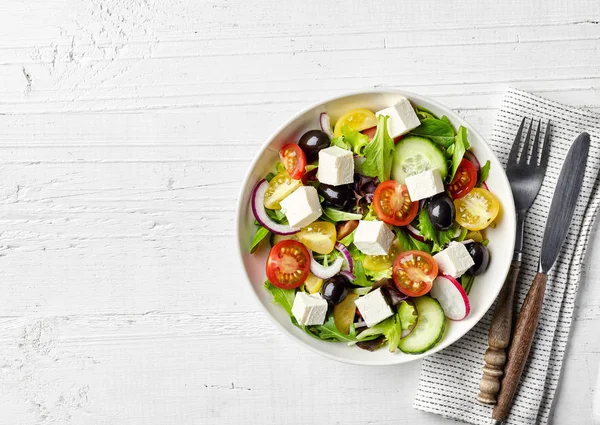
[
  {"x": 426, "y": 228},
  {"x": 269, "y": 177},
  {"x": 460, "y": 146},
  {"x": 351, "y": 140},
  {"x": 359, "y": 272},
  {"x": 466, "y": 282},
  {"x": 407, "y": 314},
  {"x": 277, "y": 216},
  {"x": 409, "y": 243},
  {"x": 337, "y": 215},
  {"x": 463, "y": 234},
  {"x": 378, "y": 152},
  {"x": 260, "y": 234},
  {"x": 329, "y": 332},
  {"x": 429, "y": 233},
  {"x": 283, "y": 297},
  {"x": 438, "y": 131},
  {"x": 484, "y": 172},
  {"x": 446, "y": 119}
]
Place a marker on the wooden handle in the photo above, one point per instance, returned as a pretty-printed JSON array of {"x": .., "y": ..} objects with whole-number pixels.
[
  {"x": 499, "y": 338},
  {"x": 521, "y": 345}
]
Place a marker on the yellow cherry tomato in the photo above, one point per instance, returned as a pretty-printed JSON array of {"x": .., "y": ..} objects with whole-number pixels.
[
  {"x": 343, "y": 313},
  {"x": 476, "y": 210},
  {"x": 319, "y": 236},
  {"x": 279, "y": 188},
  {"x": 313, "y": 284},
  {"x": 356, "y": 119},
  {"x": 379, "y": 263}
]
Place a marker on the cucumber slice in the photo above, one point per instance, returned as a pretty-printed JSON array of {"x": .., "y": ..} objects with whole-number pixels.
[
  {"x": 413, "y": 155},
  {"x": 430, "y": 327}
]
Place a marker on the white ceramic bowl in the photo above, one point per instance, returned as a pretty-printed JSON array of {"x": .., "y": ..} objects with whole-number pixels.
[{"x": 486, "y": 287}]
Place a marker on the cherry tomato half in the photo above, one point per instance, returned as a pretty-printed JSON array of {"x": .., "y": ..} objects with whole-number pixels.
[
  {"x": 393, "y": 205},
  {"x": 288, "y": 264},
  {"x": 293, "y": 159},
  {"x": 319, "y": 236},
  {"x": 477, "y": 210},
  {"x": 464, "y": 180},
  {"x": 413, "y": 273}
]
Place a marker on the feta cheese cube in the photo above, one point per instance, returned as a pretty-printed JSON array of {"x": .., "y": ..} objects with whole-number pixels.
[
  {"x": 336, "y": 166},
  {"x": 373, "y": 237},
  {"x": 424, "y": 185},
  {"x": 309, "y": 309},
  {"x": 373, "y": 307},
  {"x": 454, "y": 260},
  {"x": 302, "y": 206},
  {"x": 403, "y": 118}
]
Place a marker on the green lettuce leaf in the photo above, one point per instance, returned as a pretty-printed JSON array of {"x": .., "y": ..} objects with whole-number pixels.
[
  {"x": 460, "y": 146},
  {"x": 283, "y": 297},
  {"x": 409, "y": 243},
  {"x": 359, "y": 272},
  {"x": 438, "y": 131},
  {"x": 348, "y": 240},
  {"x": 377, "y": 275},
  {"x": 351, "y": 140},
  {"x": 423, "y": 113},
  {"x": 391, "y": 328},
  {"x": 337, "y": 215},
  {"x": 371, "y": 214},
  {"x": 259, "y": 236},
  {"x": 407, "y": 314},
  {"x": 378, "y": 152}
]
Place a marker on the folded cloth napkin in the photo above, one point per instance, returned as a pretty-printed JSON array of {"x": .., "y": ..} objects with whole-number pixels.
[{"x": 449, "y": 381}]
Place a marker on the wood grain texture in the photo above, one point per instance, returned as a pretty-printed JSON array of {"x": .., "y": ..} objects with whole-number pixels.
[
  {"x": 499, "y": 338},
  {"x": 126, "y": 128},
  {"x": 520, "y": 346}
]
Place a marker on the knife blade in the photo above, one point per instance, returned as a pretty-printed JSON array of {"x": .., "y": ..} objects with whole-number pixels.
[
  {"x": 564, "y": 201},
  {"x": 559, "y": 218}
]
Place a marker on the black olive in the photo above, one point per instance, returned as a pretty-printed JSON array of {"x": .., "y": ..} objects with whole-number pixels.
[
  {"x": 312, "y": 142},
  {"x": 441, "y": 211},
  {"x": 480, "y": 255},
  {"x": 337, "y": 196},
  {"x": 335, "y": 289}
]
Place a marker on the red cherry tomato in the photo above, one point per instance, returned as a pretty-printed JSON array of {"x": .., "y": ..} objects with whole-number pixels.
[
  {"x": 288, "y": 264},
  {"x": 370, "y": 132},
  {"x": 413, "y": 273},
  {"x": 294, "y": 160},
  {"x": 464, "y": 180},
  {"x": 392, "y": 204}
]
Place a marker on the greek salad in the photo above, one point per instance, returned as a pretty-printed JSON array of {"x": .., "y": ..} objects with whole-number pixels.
[{"x": 376, "y": 227}]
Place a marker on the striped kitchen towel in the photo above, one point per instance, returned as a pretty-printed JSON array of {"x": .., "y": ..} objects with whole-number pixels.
[{"x": 449, "y": 387}]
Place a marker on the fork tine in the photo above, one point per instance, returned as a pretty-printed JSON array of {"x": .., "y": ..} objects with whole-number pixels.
[
  {"x": 546, "y": 148},
  {"x": 514, "y": 151},
  {"x": 525, "y": 150},
  {"x": 534, "y": 151}
]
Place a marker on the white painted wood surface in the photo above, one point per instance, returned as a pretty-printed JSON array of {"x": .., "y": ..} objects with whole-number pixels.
[{"x": 126, "y": 127}]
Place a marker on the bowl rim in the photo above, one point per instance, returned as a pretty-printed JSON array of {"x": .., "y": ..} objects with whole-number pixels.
[{"x": 507, "y": 210}]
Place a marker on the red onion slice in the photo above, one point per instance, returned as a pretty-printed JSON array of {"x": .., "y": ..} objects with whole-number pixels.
[
  {"x": 323, "y": 272},
  {"x": 325, "y": 123},
  {"x": 348, "y": 264},
  {"x": 485, "y": 186},
  {"x": 258, "y": 209},
  {"x": 348, "y": 275},
  {"x": 471, "y": 157},
  {"x": 414, "y": 232}
]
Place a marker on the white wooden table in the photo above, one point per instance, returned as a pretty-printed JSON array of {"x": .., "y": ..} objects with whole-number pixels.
[{"x": 126, "y": 127}]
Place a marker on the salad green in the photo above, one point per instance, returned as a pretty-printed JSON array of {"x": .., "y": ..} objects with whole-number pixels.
[{"x": 357, "y": 246}]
